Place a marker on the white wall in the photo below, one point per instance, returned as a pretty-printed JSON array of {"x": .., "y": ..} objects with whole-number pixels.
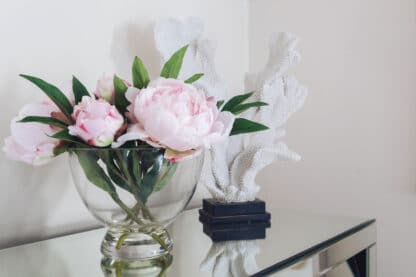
[
  {"x": 357, "y": 131},
  {"x": 55, "y": 39}
]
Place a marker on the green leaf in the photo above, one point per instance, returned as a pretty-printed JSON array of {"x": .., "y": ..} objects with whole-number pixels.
[
  {"x": 54, "y": 93},
  {"x": 94, "y": 173},
  {"x": 165, "y": 178},
  {"x": 113, "y": 171},
  {"x": 79, "y": 90},
  {"x": 242, "y": 125},
  {"x": 220, "y": 103},
  {"x": 120, "y": 100},
  {"x": 140, "y": 75},
  {"x": 236, "y": 100},
  {"x": 151, "y": 165},
  {"x": 65, "y": 136},
  {"x": 44, "y": 120},
  {"x": 60, "y": 149},
  {"x": 243, "y": 107},
  {"x": 134, "y": 165},
  {"x": 194, "y": 78},
  {"x": 173, "y": 65}
]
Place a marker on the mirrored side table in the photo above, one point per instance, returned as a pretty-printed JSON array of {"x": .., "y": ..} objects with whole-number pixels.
[{"x": 298, "y": 244}]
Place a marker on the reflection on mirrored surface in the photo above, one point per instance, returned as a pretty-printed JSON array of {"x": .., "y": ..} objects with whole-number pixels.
[
  {"x": 343, "y": 270},
  {"x": 285, "y": 252},
  {"x": 156, "y": 267},
  {"x": 300, "y": 269},
  {"x": 231, "y": 258}
]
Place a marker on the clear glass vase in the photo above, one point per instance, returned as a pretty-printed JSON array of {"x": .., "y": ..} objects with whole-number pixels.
[{"x": 136, "y": 193}]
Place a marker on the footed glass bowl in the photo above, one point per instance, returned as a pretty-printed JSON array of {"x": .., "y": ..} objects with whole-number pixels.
[{"x": 136, "y": 193}]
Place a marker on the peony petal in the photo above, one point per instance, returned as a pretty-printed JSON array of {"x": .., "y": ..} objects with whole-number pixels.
[
  {"x": 160, "y": 125},
  {"x": 13, "y": 150},
  {"x": 131, "y": 94},
  {"x": 177, "y": 156},
  {"x": 134, "y": 132},
  {"x": 227, "y": 119},
  {"x": 221, "y": 129},
  {"x": 96, "y": 121},
  {"x": 105, "y": 88}
]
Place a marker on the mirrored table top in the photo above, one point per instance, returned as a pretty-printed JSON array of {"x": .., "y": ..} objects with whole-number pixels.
[{"x": 293, "y": 236}]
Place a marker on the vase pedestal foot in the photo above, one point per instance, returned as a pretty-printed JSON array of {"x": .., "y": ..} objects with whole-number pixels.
[
  {"x": 150, "y": 267},
  {"x": 135, "y": 245}
]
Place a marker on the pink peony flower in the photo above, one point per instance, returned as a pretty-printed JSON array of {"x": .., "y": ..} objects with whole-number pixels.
[
  {"x": 174, "y": 115},
  {"x": 96, "y": 121},
  {"x": 105, "y": 88},
  {"x": 29, "y": 142}
]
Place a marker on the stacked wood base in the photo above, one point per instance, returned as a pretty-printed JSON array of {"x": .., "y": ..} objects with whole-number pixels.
[{"x": 234, "y": 221}]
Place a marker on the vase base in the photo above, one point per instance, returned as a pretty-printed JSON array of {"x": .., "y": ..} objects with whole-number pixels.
[
  {"x": 149, "y": 267},
  {"x": 131, "y": 245}
]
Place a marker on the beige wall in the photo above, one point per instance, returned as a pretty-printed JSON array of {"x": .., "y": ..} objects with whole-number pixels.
[
  {"x": 357, "y": 131},
  {"x": 55, "y": 39}
]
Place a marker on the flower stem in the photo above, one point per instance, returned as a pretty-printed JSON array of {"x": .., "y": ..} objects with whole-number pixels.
[
  {"x": 133, "y": 186},
  {"x": 121, "y": 240},
  {"x": 133, "y": 217}
]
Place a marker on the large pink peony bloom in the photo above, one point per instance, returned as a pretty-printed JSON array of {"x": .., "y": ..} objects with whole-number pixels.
[
  {"x": 29, "y": 142},
  {"x": 96, "y": 121},
  {"x": 176, "y": 116}
]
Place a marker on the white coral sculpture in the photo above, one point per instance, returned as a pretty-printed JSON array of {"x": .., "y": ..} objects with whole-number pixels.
[
  {"x": 231, "y": 258},
  {"x": 230, "y": 168}
]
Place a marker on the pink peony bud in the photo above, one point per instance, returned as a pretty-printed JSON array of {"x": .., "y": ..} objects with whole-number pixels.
[
  {"x": 174, "y": 115},
  {"x": 29, "y": 142},
  {"x": 96, "y": 121},
  {"x": 105, "y": 88}
]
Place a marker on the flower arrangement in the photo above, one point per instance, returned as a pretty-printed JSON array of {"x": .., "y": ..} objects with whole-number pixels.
[
  {"x": 171, "y": 119},
  {"x": 163, "y": 113}
]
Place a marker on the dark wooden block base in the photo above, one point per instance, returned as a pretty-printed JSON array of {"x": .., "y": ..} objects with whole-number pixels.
[{"x": 234, "y": 221}]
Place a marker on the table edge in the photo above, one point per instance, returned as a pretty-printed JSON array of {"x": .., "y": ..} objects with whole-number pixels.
[{"x": 314, "y": 249}]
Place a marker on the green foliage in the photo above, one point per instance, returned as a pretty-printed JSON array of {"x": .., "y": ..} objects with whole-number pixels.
[
  {"x": 165, "y": 178},
  {"x": 140, "y": 75},
  {"x": 138, "y": 172},
  {"x": 44, "y": 120},
  {"x": 151, "y": 165},
  {"x": 55, "y": 94},
  {"x": 194, "y": 78},
  {"x": 133, "y": 160},
  {"x": 236, "y": 100},
  {"x": 173, "y": 66},
  {"x": 79, "y": 90},
  {"x": 220, "y": 103},
  {"x": 242, "y": 125},
  {"x": 236, "y": 106},
  {"x": 65, "y": 136},
  {"x": 113, "y": 171},
  {"x": 120, "y": 100},
  {"x": 94, "y": 173},
  {"x": 243, "y": 107},
  {"x": 60, "y": 149}
]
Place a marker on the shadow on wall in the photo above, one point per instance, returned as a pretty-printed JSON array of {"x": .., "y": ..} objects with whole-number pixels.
[
  {"x": 34, "y": 200},
  {"x": 28, "y": 194},
  {"x": 130, "y": 40},
  {"x": 30, "y": 197}
]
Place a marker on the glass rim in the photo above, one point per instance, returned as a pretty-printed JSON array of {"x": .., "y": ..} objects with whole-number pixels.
[{"x": 147, "y": 148}]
